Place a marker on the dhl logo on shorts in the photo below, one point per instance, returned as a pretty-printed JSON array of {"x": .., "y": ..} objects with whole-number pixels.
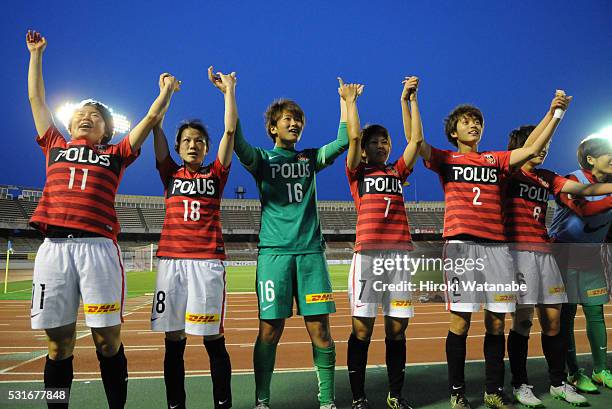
[
  {"x": 505, "y": 298},
  {"x": 556, "y": 290},
  {"x": 401, "y": 303},
  {"x": 101, "y": 308},
  {"x": 597, "y": 291},
  {"x": 202, "y": 318},
  {"x": 323, "y": 297}
]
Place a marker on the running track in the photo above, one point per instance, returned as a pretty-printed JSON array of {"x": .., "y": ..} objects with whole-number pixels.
[{"x": 22, "y": 350}]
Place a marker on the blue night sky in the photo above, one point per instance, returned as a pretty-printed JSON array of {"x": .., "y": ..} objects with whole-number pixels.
[{"x": 507, "y": 57}]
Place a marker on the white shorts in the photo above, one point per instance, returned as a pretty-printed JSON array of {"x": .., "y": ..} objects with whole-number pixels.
[
  {"x": 539, "y": 271},
  {"x": 68, "y": 268},
  {"x": 366, "y": 286},
  {"x": 467, "y": 263},
  {"x": 190, "y": 295}
]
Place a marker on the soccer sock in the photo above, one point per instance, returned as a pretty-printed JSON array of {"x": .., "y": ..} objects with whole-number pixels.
[
  {"x": 395, "y": 358},
  {"x": 554, "y": 350},
  {"x": 115, "y": 378},
  {"x": 58, "y": 374},
  {"x": 596, "y": 332},
  {"x": 356, "y": 360},
  {"x": 518, "y": 345},
  {"x": 568, "y": 314},
  {"x": 264, "y": 356},
  {"x": 325, "y": 364},
  {"x": 220, "y": 372},
  {"x": 174, "y": 373},
  {"x": 455, "y": 358},
  {"x": 494, "y": 350}
]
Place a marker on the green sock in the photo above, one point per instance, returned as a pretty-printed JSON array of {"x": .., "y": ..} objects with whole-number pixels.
[
  {"x": 264, "y": 356},
  {"x": 596, "y": 331},
  {"x": 325, "y": 364},
  {"x": 568, "y": 314}
]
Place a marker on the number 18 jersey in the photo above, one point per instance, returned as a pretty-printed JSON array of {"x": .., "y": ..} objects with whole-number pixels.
[
  {"x": 192, "y": 224},
  {"x": 472, "y": 191}
]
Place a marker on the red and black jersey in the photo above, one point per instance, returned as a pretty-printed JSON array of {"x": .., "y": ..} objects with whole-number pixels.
[
  {"x": 472, "y": 190},
  {"x": 382, "y": 223},
  {"x": 192, "y": 225},
  {"x": 525, "y": 206},
  {"x": 82, "y": 181}
]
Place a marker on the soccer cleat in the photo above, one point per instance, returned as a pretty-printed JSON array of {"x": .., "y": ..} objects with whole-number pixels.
[
  {"x": 328, "y": 406},
  {"x": 262, "y": 405},
  {"x": 361, "y": 404},
  {"x": 394, "y": 402},
  {"x": 603, "y": 378},
  {"x": 497, "y": 400},
  {"x": 524, "y": 395},
  {"x": 568, "y": 393},
  {"x": 582, "y": 382},
  {"x": 459, "y": 401}
]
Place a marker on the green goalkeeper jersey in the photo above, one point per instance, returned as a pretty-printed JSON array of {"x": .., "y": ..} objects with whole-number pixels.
[{"x": 287, "y": 191}]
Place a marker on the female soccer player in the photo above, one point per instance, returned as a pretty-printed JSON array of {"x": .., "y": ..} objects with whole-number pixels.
[
  {"x": 190, "y": 291},
  {"x": 76, "y": 214},
  {"x": 382, "y": 233}
]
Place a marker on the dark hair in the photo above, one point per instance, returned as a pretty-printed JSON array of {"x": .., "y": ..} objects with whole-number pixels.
[
  {"x": 372, "y": 130},
  {"x": 518, "y": 136},
  {"x": 107, "y": 116},
  {"x": 276, "y": 109},
  {"x": 195, "y": 124},
  {"x": 450, "y": 122},
  {"x": 594, "y": 146}
]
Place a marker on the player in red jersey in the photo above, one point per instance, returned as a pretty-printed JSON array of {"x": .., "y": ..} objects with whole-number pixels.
[
  {"x": 382, "y": 234},
  {"x": 190, "y": 291},
  {"x": 525, "y": 208},
  {"x": 474, "y": 233},
  {"x": 76, "y": 213}
]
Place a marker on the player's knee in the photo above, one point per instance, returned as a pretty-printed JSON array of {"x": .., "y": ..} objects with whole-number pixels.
[
  {"x": 551, "y": 328},
  {"x": 459, "y": 327},
  {"x": 59, "y": 351},
  {"x": 210, "y": 338},
  {"x": 362, "y": 334},
  {"x": 175, "y": 336},
  {"x": 523, "y": 327}
]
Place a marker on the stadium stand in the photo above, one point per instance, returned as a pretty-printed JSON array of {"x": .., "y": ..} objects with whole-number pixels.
[{"x": 141, "y": 219}]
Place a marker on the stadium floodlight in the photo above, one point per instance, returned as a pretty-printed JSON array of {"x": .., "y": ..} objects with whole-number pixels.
[{"x": 64, "y": 113}]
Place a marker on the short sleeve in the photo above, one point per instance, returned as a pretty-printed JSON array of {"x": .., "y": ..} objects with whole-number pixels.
[
  {"x": 166, "y": 169},
  {"x": 503, "y": 162},
  {"x": 125, "y": 151},
  {"x": 353, "y": 174},
  {"x": 437, "y": 158},
  {"x": 402, "y": 169},
  {"x": 220, "y": 171},
  {"x": 51, "y": 138}
]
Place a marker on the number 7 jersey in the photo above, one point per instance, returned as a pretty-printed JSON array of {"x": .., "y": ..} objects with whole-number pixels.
[
  {"x": 472, "y": 191},
  {"x": 192, "y": 224},
  {"x": 82, "y": 181}
]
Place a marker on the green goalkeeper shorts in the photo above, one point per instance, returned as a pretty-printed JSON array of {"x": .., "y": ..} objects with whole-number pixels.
[{"x": 283, "y": 277}]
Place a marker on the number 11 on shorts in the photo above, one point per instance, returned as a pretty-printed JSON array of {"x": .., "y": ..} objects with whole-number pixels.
[{"x": 266, "y": 291}]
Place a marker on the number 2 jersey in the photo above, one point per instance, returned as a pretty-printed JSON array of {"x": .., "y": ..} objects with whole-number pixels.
[
  {"x": 287, "y": 190},
  {"x": 382, "y": 223},
  {"x": 192, "y": 224},
  {"x": 82, "y": 181},
  {"x": 472, "y": 191}
]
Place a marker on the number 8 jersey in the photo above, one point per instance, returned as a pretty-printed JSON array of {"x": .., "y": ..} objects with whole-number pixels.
[
  {"x": 82, "y": 181},
  {"x": 382, "y": 223},
  {"x": 472, "y": 191},
  {"x": 192, "y": 225}
]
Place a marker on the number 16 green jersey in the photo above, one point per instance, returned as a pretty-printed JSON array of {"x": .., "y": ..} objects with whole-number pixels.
[{"x": 287, "y": 190}]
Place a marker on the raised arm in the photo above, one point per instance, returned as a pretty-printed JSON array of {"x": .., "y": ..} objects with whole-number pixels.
[
  {"x": 168, "y": 86},
  {"x": 226, "y": 83},
  {"x": 558, "y": 102},
  {"x": 349, "y": 94},
  {"x": 518, "y": 157},
  {"x": 413, "y": 128},
  {"x": 36, "y": 86}
]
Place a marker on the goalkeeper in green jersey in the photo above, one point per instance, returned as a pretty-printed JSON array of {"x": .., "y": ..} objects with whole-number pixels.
[{"x": 291, "y": 263}]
